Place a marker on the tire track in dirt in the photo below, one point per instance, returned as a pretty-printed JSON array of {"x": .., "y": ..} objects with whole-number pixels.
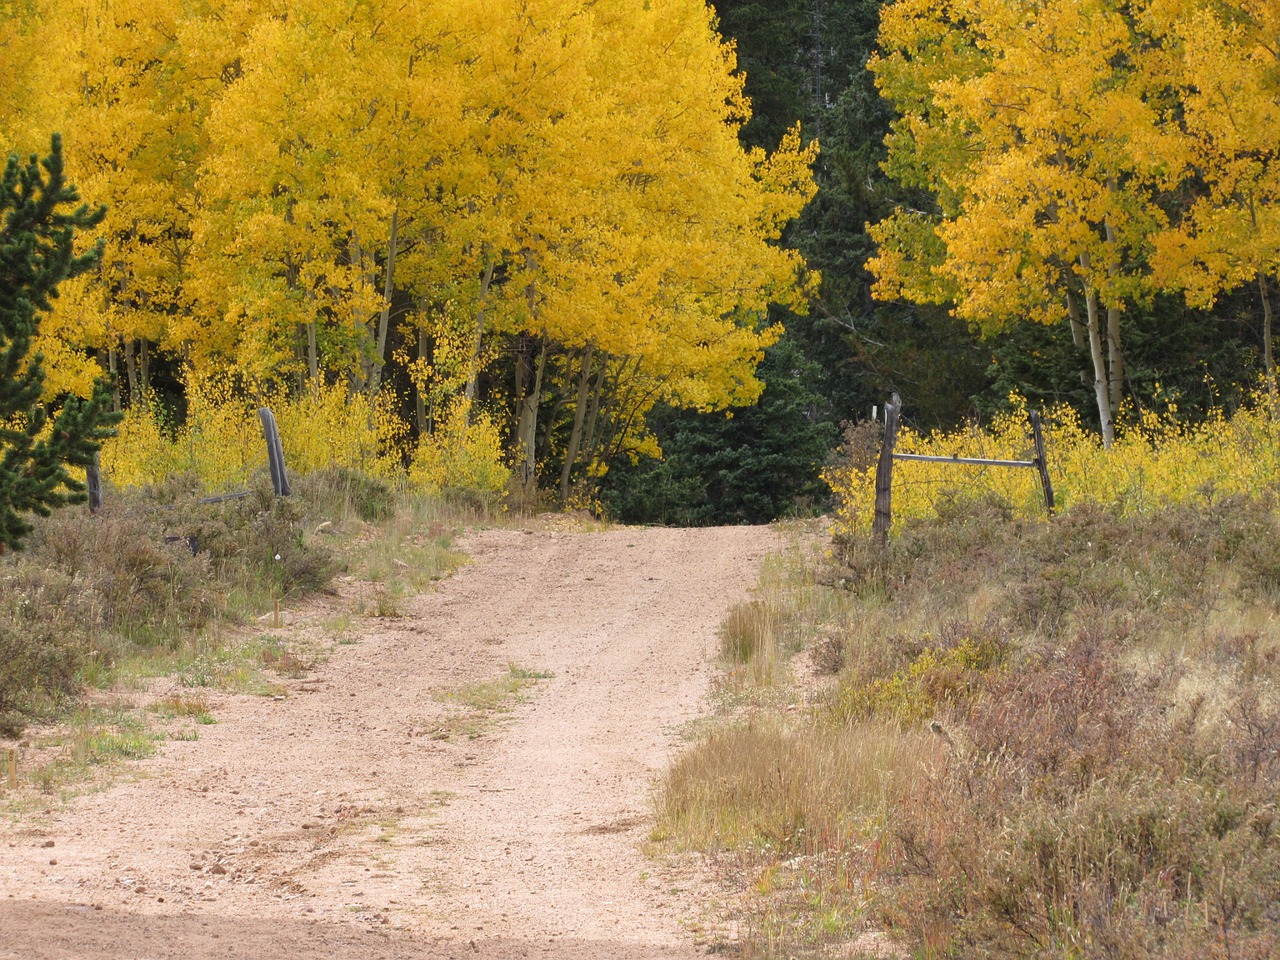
[{"x": 333, "y": 823}]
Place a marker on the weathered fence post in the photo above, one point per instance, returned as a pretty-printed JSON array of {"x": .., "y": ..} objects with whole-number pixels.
[
  {"x": 275, "y": 453},
  {"x": 93, "y": 482},
  {"x": 884, "y": 473},
  {"x": 1041, "y": 463}
]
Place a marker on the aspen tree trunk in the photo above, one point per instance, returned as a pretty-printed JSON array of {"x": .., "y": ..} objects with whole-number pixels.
[
  {"x": 131, "y": 369},
  {"x": 144, "y": 365},
  {"x": 1097, "y": 353},
  {"x": 419, "y": 393},
  {"x": 527, "y": 426},
  {"x": 113, "y": 368},
  {"x": 579, "y": 417},
  {"x": 596, "y": 392},
  {"x": 313, "y": 355},
  {"x": 1073, "y": 317},
  {"x": 473, "y": 374},
  {"x": 384, "y": 318},
  {"x": 1268, "y": 357},
  {"x": 1115, "y": 352},
  {"x": 1115, "y": 360},
  {"x": 358, "y": 375}
]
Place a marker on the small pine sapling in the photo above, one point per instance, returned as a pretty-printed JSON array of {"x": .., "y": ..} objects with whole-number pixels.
[{"x": 38, "y": 442}]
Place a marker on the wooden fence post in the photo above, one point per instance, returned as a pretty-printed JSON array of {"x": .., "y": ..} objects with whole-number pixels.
[
  {"x": 275, "y": 452},
  {"x": 884, "y": 473},
  {"x": 93, "y": 482},
  {"x": 1041, "y": 463}
]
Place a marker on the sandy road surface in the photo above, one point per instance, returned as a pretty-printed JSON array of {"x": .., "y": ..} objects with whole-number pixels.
[{"x": 334, "y": 823}]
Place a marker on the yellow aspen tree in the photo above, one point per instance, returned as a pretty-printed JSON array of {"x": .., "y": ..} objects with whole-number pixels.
[
  {"x": 113, "y": 76},
  {"x": 629, "y": 223},
  {"x": 1040, "y": 129},
  {"x": 292, "y": 200},
  {"x": 1225, "y": 59}
]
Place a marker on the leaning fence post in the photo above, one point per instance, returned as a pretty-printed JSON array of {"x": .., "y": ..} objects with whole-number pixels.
[
  {"x": 275, "y": 453},
  {"x": 1041, "y": 463},
  {"x": 884, "y": 473}
]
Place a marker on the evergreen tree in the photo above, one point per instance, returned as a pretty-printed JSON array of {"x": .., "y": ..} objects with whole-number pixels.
[
  {"x": 36, "y": 237},
  {"x": 752, "y": 466}
]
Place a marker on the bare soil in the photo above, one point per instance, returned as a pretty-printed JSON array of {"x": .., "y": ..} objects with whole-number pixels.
[{"x": 356, "y": 815}]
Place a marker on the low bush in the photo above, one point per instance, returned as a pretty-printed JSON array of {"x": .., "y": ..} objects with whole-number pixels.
[{"x": 146, "y": 573}]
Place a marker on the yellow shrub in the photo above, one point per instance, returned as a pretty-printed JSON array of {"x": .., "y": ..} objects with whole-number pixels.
[
  {"x": 140, "y": 452},
  {"x": 937, "y": 675},
  {"x": 326, "y": 427},
  {"x": 221, "y": 440},
  {"x": 463, "y": 456}
]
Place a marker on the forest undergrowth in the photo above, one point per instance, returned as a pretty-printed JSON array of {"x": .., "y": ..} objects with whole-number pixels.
[{"x": 1004, "y": 737}]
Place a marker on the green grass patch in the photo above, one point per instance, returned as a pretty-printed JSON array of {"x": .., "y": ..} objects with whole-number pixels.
[{"x": 479, "y": 704}]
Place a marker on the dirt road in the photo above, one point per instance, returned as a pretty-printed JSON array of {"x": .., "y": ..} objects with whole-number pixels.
[{"x": 355, "y": 817}]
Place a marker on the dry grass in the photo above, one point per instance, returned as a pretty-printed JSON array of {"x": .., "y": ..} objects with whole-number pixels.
[
  {"x": 799, "y": 789},
  {"x": 98, "y": 607},
  {"x": 1036, "y": 739}
]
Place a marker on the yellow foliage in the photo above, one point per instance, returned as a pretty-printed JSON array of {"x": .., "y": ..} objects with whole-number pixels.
[
  {"x": 141, "y": 452},
  {"x": 1156, "y": 461},
  {"x": 328, "y": 427},
  {"x": 463, "y": 456},
  {"x": 221, "y": 440},
  {"x": 937, "y": 675}
]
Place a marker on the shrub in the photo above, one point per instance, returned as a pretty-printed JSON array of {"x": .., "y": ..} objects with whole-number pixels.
[
  {"x": 463, "y": 459},
  {"x": 40, "y": 650},
  {"x": 92, "y": 589},
  {"x": 220, "y": 440}
]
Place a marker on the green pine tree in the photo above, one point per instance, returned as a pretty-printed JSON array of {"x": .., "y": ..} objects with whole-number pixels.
[{"x": 36, "y": 235}]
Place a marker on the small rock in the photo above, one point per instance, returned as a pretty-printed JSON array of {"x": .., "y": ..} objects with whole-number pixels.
[
  {"x": 53, "y": 863},
  {"x": 218, "y": 868},
  {"x": 197, "y": 866},
  {"x": 47, "y": 843}
]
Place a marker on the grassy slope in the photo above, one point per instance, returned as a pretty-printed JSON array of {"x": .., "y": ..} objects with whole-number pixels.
[{"x": 1027, "y": 739}]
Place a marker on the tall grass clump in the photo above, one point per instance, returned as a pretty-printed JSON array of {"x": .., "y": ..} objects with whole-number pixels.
[{"x": 795, "y": 790}]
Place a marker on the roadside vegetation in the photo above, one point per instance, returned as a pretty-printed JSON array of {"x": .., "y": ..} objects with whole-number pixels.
[
  {"x": 163, "y": 587},
  {"x": 1005, "y": 735}
]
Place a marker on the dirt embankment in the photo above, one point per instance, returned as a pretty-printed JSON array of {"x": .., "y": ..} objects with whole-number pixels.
[{"x": 355, "y": 817}]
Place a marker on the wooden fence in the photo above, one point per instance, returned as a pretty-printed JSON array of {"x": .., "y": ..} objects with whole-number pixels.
[{"x": 884, "y": 469}]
